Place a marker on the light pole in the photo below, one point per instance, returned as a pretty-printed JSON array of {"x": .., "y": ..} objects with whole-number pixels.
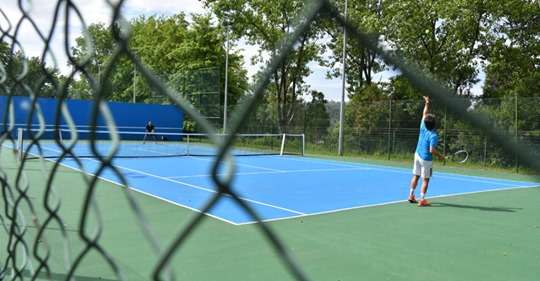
[
  {"x": 134, "y": 76},
  {"x": 343, "y": 87},
  {"x": 226, "y": 75},
  {"x": 134, "y": 79},
  {"x": 98, "y": 66},
  {"x": 99, "y": 71}
]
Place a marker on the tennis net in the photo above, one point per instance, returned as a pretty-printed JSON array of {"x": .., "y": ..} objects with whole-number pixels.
[{"x": 87, "y": 143}]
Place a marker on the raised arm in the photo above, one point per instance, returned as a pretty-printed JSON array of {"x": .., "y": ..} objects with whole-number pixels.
[{"x": 427, "y": 106}]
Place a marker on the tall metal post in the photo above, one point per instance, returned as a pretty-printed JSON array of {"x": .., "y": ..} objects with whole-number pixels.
[
  {"x": 134, "y": 87},
  {"x": 226, "y": 78},
  {"x": 99, "y": 73},
  {"x": 516, "y": 128},
  {"x": 389, "y": 145},
  {"x": 343, "y": 87},
  {"x": 445, "y": 132}
]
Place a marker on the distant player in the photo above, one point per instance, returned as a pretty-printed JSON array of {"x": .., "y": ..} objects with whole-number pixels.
[
  {"x": 150, "y": 131},
  {"x": 423, "y": 157}
]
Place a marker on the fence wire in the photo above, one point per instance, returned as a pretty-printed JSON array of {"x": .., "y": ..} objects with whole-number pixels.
[
  {"x": 389, "y": 128},
  {"x": 30, "y": 258}
]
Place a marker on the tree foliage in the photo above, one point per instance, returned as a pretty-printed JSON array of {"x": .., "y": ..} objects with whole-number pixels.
[
  {"x": 39, "y": 79},
  {"x": 458, "y": 42},
  {"x": 180, "y": 52},
  {"x": 265, "y": 24},
  {"x": 317, "y": 119},
  {"x": 443, "y": 37},
  {"x": 514, "y": 60},
  {"x": 362, "y": 63}
]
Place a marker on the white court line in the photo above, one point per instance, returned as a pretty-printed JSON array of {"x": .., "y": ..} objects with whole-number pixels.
[
  {"x": 202, "y": 188},
  {"x": 239, "y": 164},
  {"x": 193, "y": 186},
  {"x": 204, "y": 159},
  {"x": 445, "y": 175},
  {"x": 277, "y": 172},
  {"x": 407, "y": 169},
  {"x": 300, "y": 215},
  {"x": 387, "y": 203},
  {"x": 135, "y": 189}
]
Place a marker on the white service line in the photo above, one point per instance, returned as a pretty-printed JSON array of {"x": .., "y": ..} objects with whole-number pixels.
[
  {"x": 277, "y": 172},
  {"x": 388, "y": 203},
  {"x": 239, "y": 164},
  {"x": 204, "y": 159},
  {"x": 445, "y": 175},
  {"x": 201, "y": 188},
  {"x": 193, "y": 186},
  {"x": 299, "y": 214},
  {"x": 135, "y": 189}
]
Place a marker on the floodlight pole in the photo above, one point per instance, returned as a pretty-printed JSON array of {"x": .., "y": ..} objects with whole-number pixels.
[
  {"x": 343, "y": 87},
  {"x": 98, "y": 65},
  {"x": 134, "y": 76},
  {"x": 226, "y": 77}
]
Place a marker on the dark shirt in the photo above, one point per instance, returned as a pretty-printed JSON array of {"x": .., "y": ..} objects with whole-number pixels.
[{"x": 150, "y": 127}]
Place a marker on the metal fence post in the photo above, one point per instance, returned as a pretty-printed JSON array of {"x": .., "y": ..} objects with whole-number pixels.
[
  {"x": 516, "y": 129},
  {"x": 343, "y": 86},
  {"x": 485, "y": 152},
  {"x": 444, "y": 134},
  {"x": 389, "y": 127},
  {"x": 394, "y": 140}
]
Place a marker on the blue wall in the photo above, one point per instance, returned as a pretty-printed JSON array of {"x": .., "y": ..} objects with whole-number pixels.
[{"x": 128, "y": 116}]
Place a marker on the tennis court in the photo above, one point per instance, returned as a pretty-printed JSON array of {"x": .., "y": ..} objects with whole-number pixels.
[
  {"x": 269, "y": 140},
  {"x": 276, "y": 186},
  {"x": 458, "y": 237}
]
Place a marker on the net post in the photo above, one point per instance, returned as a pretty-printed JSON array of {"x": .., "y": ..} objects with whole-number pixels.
[
  {"x": 303, "y": 144},
  {"x": 19, "y": 145},
  {"x": 282, "y": 144},
  {"x": 187, "y": 145}
]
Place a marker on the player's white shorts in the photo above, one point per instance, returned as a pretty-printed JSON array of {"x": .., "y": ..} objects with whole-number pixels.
[{"x": 422, "y": 167}]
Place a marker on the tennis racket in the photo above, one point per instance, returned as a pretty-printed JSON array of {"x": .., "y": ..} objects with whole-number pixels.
[{"x": 460, "y": 156}]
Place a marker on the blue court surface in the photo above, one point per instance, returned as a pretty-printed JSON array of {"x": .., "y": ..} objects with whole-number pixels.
[{"x": 283, "y": 187}]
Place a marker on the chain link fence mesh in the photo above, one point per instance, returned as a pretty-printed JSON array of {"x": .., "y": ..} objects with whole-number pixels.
[{"x": 24, "y": 257}]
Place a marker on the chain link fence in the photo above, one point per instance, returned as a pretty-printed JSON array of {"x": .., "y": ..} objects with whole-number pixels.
[
  {"x": 25, "y": 257},
  {"x": 389, "y": 129}
]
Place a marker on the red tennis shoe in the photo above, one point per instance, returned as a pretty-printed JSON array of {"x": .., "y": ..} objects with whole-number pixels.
[{"x": 423, "y": 203}]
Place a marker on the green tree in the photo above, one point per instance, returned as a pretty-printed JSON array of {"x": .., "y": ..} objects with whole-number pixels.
[
  {"x": 265, "y": 24},
  {"x": 514, "y": 63},
  {"x": 443, "y": 37},
  {"x": 317, "y": 119},
  {"x": 367, "y": 110},
  {"x": 362, "y": 62},
  {"x": 174, "y": 49},
  {"x": 38, "y": 78}
]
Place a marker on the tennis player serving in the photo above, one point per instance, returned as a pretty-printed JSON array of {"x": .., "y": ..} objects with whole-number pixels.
[{"x": 423, "y": 157}]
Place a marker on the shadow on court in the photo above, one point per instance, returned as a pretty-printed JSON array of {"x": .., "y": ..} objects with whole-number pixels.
[{"x": 480, "y": 208}]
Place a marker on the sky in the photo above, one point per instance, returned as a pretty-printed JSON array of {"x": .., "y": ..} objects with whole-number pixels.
[{"x": 98, "y": 11}]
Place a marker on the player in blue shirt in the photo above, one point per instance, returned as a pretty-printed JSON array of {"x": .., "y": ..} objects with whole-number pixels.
[{"x": 423, "y": 157}]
